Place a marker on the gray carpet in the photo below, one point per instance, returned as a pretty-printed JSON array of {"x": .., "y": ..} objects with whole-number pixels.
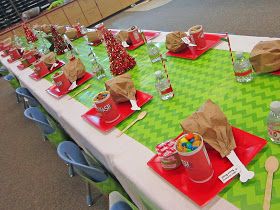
[
  {"x": 31, "y": 174},
  {"x": 242, "y": 17}
]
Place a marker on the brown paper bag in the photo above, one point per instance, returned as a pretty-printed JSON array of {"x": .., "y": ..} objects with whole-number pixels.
[
  {"x": 37, "y": 27},
  {"x": 174, "y": 41},
  {"x": 71, "y": 33},
  {"x": 49, "y": 59},
  {"x": 210, "y": 122},
  {"x": 122, "y": 36},
  {"x": 265, "y": 56},
  {"x": 74, "y": 70},
  {"x": 61, "y": 29},
  {"x": 94, "y": 36},
  {"x": 121, "y": 88},
  {"x": 46, "y": 28}
]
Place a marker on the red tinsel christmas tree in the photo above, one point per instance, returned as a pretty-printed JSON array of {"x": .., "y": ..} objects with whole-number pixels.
[
  {"x": 120, "y": 60},
  {"x": 58, "y": 42},
  {"x": 30, "y": 36}
]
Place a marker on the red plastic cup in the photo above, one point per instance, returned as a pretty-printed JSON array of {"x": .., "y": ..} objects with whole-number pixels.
[
  {"x": 106, "y": 106},
  {"x": 29, "y": 56},
  {"x": 41, "y": 68},
  {"x": 197, "y": 163},
  {"x": 14, "y": 53},
  {"x": 134, "y": 35},
  {"x": 61, "y": 81},
  {"x": 197, "y": 36}
]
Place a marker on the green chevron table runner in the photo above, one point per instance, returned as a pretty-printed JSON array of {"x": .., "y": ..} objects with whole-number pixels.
[{"x": 210, "y": 76}]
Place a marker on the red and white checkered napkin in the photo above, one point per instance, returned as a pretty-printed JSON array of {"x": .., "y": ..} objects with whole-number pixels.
[{"x": 167, "y": 148}]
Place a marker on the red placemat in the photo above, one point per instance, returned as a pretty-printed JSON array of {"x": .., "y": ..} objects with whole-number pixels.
[
  {"x": 36, "y": 77},
  {"x": 248, "y": 146},
  {"x": 54, "y": 91},
  {"x": 94, "y": 118},
  {"x": 276, "y": 73},
  {"x": 211, "y": 41},
  {"x": 148, "y": 34}
]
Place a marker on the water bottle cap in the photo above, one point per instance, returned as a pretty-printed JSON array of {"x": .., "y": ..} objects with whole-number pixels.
[
  {"x": 158, "y": 73},
  {"x": 275, "y": 106},
  {"x": 239, "y": 55}
]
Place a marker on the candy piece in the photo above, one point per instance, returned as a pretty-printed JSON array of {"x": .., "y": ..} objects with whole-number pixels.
[
  {"x": 182, "y": 140},
  {"x": 189, "y": 150},
  {"x": 189, "y": 146},
  {"x": 189, "y": 136},
  {"x": 197, "y": 137},
  {"x": 184, "y": 144},
  {"x": 194, "y": 148},
  {"x": 191, "y": 140},
  {"x": 196, "y": 143}
]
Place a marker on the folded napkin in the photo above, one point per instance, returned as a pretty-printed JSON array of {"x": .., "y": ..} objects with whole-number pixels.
[
  {"x": 265, "y": 56},
  {"x": 174, "y": 42},
  {"x": 74, "y": 70},
  {"x": 210, "y": 122}
]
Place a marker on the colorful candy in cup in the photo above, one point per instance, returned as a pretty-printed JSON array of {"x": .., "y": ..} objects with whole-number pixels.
[{"x": 188, "y": 143}]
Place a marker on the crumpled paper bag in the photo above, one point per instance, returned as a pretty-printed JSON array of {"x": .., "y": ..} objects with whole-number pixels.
[
  {"x": 174, "y": 42},
  {"x": 61, "y": 29},
  {"x": 49, "y": 59},
  {"x": 46, "y": 28},
  {"x": 121, "y": 88},
  {"x": 123, "y": 36},
  {"x": 94, "y": 36},
  {"x": 74, "y": 70},
  {"x": 211, "y": 123},
  {"x": 71, "y": 33},
  {"x": 265, "y": 56}
]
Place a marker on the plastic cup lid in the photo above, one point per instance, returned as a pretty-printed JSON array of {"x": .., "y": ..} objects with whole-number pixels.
[{"x": 275, "y": 106}]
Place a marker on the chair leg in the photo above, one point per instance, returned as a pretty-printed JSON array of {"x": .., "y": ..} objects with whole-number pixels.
[
  {"x": 24, "y": 104},
  {"x": 89, "y": 195},
  {"x": 18, "y": 101},
  {"x": 70, "y": 170}
]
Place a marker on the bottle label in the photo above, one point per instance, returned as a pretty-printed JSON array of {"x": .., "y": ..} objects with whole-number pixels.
[
  {"x": 274, "y": 134},
  {"x": 243, "y": 74},
  {"x": 166, "y": 91}
]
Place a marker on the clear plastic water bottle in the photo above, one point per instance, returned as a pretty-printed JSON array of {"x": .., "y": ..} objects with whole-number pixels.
[
  {"x": 153, "y": 51},
  {"x": 242, "y": 68},
  {"x": 273, "y": 122},
  {"x": 98, "y": 69},
  {"x": 163, "y": 86}
]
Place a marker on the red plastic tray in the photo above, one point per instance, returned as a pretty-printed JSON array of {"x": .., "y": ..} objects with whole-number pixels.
[
  {"x": 36, "y": 77},
  {"x": 211, "y": 41},
  {"x": 276, "y": 73},
  {"x": 54, "y": 91},
  {"x": 4, "y": 55},
  {"x": 21, "y": 67},
  {"x": 10, "y": 60},
  {"x": 248, "y": 146},
  {"x": 94, "y": 118},
  {"x": 148, "y": 34}
]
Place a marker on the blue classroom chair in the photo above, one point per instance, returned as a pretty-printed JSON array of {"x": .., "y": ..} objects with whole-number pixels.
[
  {"x": 91, "y": 172},
  {"x": 28, "y": 98},
  {"x": 118, "y": 202}
]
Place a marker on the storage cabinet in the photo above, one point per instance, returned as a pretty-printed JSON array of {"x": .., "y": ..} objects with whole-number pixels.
[
  {"x": 74, "y": 14},
  {"x": 108, "y": 7},
  {"x": 90, "y": 10},
  {"x": 40, "y": 21},
  {"x": 58, "y": 17}
]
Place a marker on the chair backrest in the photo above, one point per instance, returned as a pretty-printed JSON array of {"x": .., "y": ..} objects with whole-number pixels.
[
  {"x": 9, "y": 77},
  {"x": 34, "y": 114},
  {"x": 24, "y": 92},
  {"x": 71, "y": 153}
]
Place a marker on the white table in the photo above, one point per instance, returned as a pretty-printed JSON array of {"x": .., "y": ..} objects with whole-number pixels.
[{"x": 123, "y": 156}]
